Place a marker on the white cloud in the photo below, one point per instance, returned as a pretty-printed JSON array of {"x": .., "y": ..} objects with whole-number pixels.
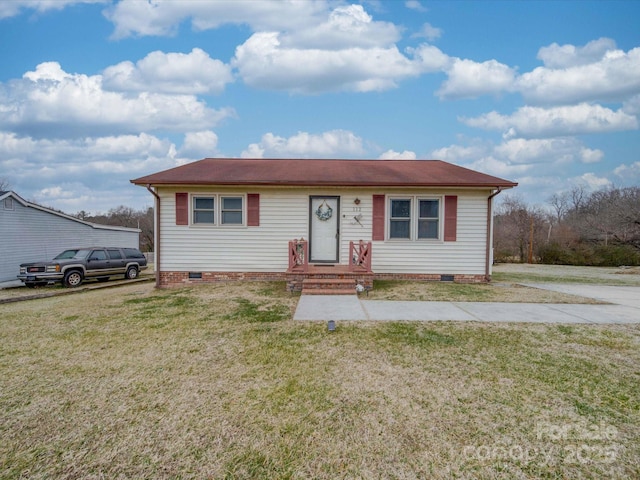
[
  {"x": 614, "y": 76},
  {"x": 191, "y": 73},
  {"x": 629, "y": 174},
  {"x": 591, "y": 181},
  {"x": 140, "y": 18},
  {"x": 303, "y": 46},
  {"x": 557, "y": 121},
  {"x": 300, "y": 47},
  {"x": 557, "y": 56},
  {"x": 334, "y": 143},
  {"x": 429, "y": 32},
  {"x": 429, "y": 59},
  {"x": 588, "y": 155},
  {"x": 415, "y": 5},
  {"x": 10, "y": 8},
  {"x": 516, "y": 158},
  {"x": 346, "y": 27},
  {"x": 263, "y": 62},
  {"x": 469, "y": 79},
  {"x": 72, "y": 174},
  {"x": 461, "y": 153},
  {"x": 496, "y": 166},
  {"x": 64, "y": 104},
  {"x": 632, "y": 105},
  {"x": 594, "y": 72},
  {"x": 546, "y": 150},
  {"x": 393, "y": 155},
  {"x": 199, "y": 144},
  {"x": 482, "y": 156}
]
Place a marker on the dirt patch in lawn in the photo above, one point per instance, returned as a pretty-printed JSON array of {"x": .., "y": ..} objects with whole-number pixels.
[{"x": 456, "y": 292}]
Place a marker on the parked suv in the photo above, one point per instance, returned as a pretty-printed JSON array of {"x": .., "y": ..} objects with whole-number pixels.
[{"x": 72, "y": 266}]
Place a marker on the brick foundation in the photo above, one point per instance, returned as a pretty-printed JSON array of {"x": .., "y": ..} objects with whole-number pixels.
[
  {"x": 173, "y": 279},
  {"x": 294, "y": 280},
  {"x": 430, "y": 277}
]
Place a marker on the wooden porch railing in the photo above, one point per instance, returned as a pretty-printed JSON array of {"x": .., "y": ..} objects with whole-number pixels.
[
  {"x": 298, "y": 255},
  {"x": 360, "y": 255}
]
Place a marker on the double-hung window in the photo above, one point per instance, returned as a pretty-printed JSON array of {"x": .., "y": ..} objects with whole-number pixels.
[
  {"x": 400, "y": 218},
  {"x": 414, "y": 218},
  {"x": 231, "y": 212},
  {"x": 428, "y": 214},
  {"x": 219, "y": 210},
  {"x": 204, "y": 211}
]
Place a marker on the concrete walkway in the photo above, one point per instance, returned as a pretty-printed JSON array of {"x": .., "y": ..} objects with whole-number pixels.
[{"x": 625, "y": 308}]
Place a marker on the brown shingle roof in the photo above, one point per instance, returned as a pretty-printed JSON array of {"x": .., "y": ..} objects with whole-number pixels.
[{"x": 303, "y": 172}]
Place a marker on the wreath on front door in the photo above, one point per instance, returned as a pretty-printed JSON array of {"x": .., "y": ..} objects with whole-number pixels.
[{"x": 324, "y": 212}]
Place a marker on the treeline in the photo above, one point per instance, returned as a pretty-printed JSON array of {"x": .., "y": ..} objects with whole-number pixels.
[
  {"x": 126, "y": 217},
  {"x": 601, "y": 228}
]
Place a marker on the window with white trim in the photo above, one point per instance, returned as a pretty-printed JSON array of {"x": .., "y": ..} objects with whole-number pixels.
[
  {"x": 8, "y": 203},
  {"x": 204, "y": 210},
  {"x": 428, "y": 218},
  {"x": 414, "y": 218},
  {"x": 231, "y": 210},
  {"x": 400, "y": 218},
  {"x": 217, "y": 210}
]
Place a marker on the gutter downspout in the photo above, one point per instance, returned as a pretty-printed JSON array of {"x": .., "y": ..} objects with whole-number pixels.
[
  {"x": 487, "y": 268},
  {"x": 156, "y": 234}
]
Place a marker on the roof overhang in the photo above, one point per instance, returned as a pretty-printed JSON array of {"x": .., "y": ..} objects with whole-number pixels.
[{"x": 324, "y": 173}]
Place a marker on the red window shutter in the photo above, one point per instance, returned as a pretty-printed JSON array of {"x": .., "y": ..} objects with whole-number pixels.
[
  {"x": 450, "y": 218},
  {"x": 182, "y": 209},
  {"x": 378, "y": 218},
  {"x": 253, "y": 209}
]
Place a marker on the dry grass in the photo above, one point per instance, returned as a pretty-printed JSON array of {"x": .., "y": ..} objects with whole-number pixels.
[
  {"x": 537, "y": 273},
  {"x": 456, "y": 292},
  {"x": 219, "y": 382}
]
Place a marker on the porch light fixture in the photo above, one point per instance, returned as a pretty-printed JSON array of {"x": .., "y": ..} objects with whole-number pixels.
[
  {"x": 331, "y": 325},
  {"x": 357, "y": 201}
]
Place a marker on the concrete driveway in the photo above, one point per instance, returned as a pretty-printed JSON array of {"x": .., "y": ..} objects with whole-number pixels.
[
  {"x": 620, "y": 295},
  {"x": 624, "y": 308}
]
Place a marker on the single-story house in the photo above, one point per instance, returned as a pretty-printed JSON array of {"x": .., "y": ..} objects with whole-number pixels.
[
  {"x": 31, "y": 232},
  {"x": 286, "y": 219}
]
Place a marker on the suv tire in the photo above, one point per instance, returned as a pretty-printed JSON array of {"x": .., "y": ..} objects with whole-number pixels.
[
  {"x": 72, "y": 279},
  {"x": 132, "y": 272}
]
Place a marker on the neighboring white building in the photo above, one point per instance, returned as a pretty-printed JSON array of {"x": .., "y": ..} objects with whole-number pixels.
[
  {"x": 30, "y": 232},
  {"x": 237, "y": 219}
]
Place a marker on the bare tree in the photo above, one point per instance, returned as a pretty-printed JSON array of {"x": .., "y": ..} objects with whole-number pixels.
[
  {"x": 4, "y": 185},
  {"x": 519, "y": 230},
  {"x": 612, "y": 215},
  {"x": 127, "y": 217},
  {"x": 560, "y": 204},
  {"x": 578, "y": 195}
]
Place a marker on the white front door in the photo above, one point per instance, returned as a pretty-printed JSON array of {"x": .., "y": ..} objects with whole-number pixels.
[{"x": 324, "y": 225}]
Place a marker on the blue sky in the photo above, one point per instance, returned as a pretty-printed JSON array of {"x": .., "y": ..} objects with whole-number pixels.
[{"x": 95, "y": 93}]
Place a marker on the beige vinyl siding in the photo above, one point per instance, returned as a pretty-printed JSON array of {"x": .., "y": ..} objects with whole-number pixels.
[
  {"x": 284, "y": 215},
  {"x": 464, "y": 256}
]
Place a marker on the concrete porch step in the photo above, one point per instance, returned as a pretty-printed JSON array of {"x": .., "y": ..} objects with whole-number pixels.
[
  {"x": 328, "y": 286},
  {"x": 328, "y": 291},
  {"x": 335, "y": 283}
]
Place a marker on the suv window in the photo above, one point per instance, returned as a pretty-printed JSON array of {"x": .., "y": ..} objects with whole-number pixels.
[
  {"x": 98, "y": 255},
  {"x": 133, "y": 253},
  {"x": 72, "y": 254},
  {"x": 114, "y": 254}
]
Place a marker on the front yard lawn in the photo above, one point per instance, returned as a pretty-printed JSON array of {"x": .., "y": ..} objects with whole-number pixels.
[{"x": 218, "y": 382}]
